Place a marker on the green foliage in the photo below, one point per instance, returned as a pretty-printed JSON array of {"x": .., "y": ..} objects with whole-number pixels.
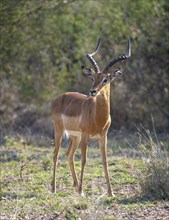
[{"x": 44, "y": 43}]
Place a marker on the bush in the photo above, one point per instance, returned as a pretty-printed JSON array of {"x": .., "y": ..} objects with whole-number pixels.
[{"x": 154, "y": 180}]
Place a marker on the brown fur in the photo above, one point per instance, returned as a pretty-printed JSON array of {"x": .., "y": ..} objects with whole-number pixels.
[
  {"x": 69, "y": 104},
  {"x": 90, "y": 116},
  {"x": 93, "y": 112},
  {"x": 85, "y": 117}
]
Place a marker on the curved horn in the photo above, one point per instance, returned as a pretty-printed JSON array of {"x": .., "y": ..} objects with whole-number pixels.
[
  {"x": 117, "y": 59},
  {"x": 90, "y": 57}
]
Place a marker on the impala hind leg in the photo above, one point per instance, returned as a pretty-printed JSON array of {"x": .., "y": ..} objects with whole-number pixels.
[
  {"x": 58, "y": 139},
  {"x": 70, "y": 154},
  {"x": 103, "y": 150}
]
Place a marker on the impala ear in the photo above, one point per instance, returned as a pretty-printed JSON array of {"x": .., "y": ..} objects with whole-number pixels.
[
  {"x": 115, "y": 74},
  {"x": 88, "y": 72}
]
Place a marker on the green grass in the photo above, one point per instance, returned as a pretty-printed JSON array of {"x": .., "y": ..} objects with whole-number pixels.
[{"x": 26, "y": 175}]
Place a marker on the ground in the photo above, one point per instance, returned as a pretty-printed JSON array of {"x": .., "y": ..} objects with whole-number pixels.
[{"x": 26, "y": 174}]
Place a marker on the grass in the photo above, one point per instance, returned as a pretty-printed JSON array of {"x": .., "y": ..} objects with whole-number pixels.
[
  {"x": 26, "y": 174},
  {"x": 155, "y": 178}
]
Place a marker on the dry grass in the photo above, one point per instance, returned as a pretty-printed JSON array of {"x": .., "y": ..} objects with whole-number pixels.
[
  {"x": 26, "y": 173},
  {"x": 154, "y": 180}
]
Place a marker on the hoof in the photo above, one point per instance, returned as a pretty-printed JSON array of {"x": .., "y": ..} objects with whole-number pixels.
[
  {"x": 111, "y": 194},
  {"x": 75, "y": 185},
  {"x": 81, "y": 194},
  {"x": 53, "y": 191},
  {"x": 53, "y": 188}
]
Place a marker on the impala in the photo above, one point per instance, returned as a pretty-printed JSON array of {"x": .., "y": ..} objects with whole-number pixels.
[{"x": 85, "y": 117}]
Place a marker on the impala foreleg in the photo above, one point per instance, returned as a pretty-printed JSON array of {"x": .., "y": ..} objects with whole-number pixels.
[
  {"x": 103, "y": 150},
  {"x": 83, "y": 162},
  {"x": 70, "y": 154}
]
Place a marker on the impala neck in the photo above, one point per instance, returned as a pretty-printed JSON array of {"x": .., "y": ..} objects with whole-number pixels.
[{"x": 103, "y": 104}]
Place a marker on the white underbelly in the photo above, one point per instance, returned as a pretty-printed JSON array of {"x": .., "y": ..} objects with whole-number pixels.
[
  {"x": 97, "y": 136},
  {"x": 79, "y": 134},
  {"x": 71, "y": 125}
]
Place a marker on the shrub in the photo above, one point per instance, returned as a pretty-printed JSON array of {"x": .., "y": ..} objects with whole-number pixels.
[{"x": 154, "y": 180}]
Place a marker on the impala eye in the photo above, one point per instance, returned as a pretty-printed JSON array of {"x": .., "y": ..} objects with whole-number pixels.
[{"x": 105, "y": 81}]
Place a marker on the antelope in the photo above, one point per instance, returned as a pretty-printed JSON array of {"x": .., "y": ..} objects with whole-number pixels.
[{"x": 85, "y": 117}]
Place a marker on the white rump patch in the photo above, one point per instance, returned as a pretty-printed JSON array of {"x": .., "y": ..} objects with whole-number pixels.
[
  {"x": 74, "y": 133},
  {"x": 66, "y": 135}
]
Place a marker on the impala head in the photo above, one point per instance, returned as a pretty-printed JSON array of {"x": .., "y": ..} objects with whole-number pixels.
[{"x": 102, "y": 78}]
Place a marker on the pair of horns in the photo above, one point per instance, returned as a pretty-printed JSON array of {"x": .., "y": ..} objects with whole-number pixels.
[{"x": 112, "y": 62}]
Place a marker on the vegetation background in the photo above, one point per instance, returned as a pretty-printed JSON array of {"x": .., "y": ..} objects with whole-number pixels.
[{"x": 43, "y": 45}]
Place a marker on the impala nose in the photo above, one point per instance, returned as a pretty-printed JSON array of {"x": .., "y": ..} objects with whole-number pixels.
[{"x": 93, "y": 92}]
